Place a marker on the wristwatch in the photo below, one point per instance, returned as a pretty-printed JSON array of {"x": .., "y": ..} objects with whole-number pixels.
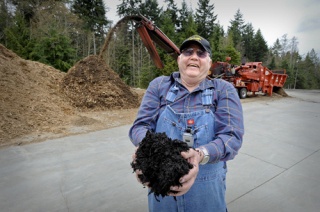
[{"x": 206, "y": 156}]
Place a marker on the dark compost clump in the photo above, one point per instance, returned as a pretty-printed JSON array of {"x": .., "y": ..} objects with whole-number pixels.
[{"x": 159, "y": 158}]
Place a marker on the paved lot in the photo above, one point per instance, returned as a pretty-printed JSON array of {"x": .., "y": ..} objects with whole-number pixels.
[{"x": 277, "y": 169}]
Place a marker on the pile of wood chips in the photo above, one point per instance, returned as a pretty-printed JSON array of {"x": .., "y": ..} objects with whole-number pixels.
[{"x": 91, "y": 85}]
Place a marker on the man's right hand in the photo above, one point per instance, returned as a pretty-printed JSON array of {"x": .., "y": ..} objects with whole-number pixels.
[{"x": 138, "y": 171}]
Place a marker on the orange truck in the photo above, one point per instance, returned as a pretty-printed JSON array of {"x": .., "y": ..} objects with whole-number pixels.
[{"x": 249, "y": 77}]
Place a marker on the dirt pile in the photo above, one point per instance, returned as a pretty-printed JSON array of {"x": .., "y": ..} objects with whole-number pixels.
[
  {"x": 37, "y": 99},
  {"x": 91, "y": 85},
  {"x": 30, "y": 98}
]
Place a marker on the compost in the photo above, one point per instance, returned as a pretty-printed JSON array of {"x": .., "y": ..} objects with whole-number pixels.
[{"x": 160, "y": 161}]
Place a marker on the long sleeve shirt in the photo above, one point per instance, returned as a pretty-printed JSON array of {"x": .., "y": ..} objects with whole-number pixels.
[{"x": 229, "y": 127}]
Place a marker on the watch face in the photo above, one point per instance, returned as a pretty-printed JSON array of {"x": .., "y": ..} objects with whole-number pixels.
[{"x": 206, "y": 159}]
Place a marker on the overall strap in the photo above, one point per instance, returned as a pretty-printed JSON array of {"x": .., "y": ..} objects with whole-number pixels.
[
  {"x": 171, "y": 95},
  {"x": 207, "y": 97}
]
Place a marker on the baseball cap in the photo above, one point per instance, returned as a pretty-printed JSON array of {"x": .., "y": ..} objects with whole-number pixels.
[{"x": 198, "y": 39}]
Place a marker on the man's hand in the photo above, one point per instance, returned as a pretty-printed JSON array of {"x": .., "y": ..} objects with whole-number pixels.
[
  {"x": 138, "y": 171},
  {"x": 194, "y": 157}
]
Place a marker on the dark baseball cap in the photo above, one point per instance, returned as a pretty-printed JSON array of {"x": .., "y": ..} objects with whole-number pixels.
[{"x": 196, "y": 39}]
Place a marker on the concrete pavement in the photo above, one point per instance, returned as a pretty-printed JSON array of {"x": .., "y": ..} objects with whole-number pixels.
[{"x": 277, "y": 169}]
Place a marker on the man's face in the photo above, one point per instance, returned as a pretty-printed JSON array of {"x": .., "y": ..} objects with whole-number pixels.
[{"x": 194, "y": 63}]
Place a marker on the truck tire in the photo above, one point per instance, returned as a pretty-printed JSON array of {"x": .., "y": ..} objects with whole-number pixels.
[{"x": 242, "y": 93}]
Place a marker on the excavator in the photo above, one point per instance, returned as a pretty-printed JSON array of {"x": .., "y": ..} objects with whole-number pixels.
[{"x": 248, "y": 77}]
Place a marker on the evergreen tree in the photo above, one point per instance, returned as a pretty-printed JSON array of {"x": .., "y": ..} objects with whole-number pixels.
[
  {"x": 18, "y": 36},
  {"x": 5, "y": 17},
  {"x": 230, "y": 51},
  {"x": 167, "y": 26},
  {"x": 170, "y": 64},
  {"x": 188, "y": 27},
  {"x": 184, "y": 14},
  {"x": 54, "y": 49},
  {"x": 128, "y": 7},
  {"x": 246, "y": 46},
  {"x": 205, "y": 18},
  {"x": 233, "y": 53},
  {"x": 55, "y": 23},
  {"x": 150, "y": 9},
  {"x": 312, "y": 68},
  {"x": 31, "y": 39},
  {"x": 236, "y": 28},
  {"x": 290, "y": 80},
  {"x": 272, "y": 64},
  {"x": 215, "y": 42},
  {"x": 260, "y": 48},
  {"x": 284, "y": 65},
  {"x": 171, "y": 12},
  {"x": 93, "y": 13},
  {"x": 17, "y": 31},
  {"x": 273, "y": 56}
]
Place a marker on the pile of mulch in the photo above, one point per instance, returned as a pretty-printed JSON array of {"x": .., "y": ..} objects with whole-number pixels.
[
  {"x": 280, "y": 91},
  {"x": 91, "y": 85},
  {"x": 30, "y": 99},
  {"x": 160, "y": 161}
]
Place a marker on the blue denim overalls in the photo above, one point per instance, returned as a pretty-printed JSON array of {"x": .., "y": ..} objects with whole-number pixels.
[{"x": 208, "y": 191}]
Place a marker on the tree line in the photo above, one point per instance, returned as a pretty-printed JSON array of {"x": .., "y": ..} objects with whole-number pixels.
[{"x": 61, "y": 32}]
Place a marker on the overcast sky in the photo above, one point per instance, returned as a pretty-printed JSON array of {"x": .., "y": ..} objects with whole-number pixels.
[{"x": 299, "y": 18}]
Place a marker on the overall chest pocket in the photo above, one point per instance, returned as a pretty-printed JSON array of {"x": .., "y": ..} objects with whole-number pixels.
[
  {"x": 203, "y": 134},
  {"x": 175, "y": 125}
]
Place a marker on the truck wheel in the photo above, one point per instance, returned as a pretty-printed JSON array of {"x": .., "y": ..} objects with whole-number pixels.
[{"x": 242, "y": 93}]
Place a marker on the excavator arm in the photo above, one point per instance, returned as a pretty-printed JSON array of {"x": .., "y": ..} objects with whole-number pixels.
[{"x": 151, "y": 34}]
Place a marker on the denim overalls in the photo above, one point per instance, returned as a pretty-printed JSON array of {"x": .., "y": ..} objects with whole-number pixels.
[{"x": 208, "y": 191}]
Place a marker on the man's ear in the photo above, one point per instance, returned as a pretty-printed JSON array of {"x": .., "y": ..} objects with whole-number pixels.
[{"x": 178, "y": 58}]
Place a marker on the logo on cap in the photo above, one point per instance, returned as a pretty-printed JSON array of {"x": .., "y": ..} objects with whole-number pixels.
[{"x": 195, "y": 37}]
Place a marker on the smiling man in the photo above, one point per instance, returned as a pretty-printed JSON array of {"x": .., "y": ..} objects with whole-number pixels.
[
  {"x": 204, "y": 113},
  {"x": 194, "y": 61}
]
